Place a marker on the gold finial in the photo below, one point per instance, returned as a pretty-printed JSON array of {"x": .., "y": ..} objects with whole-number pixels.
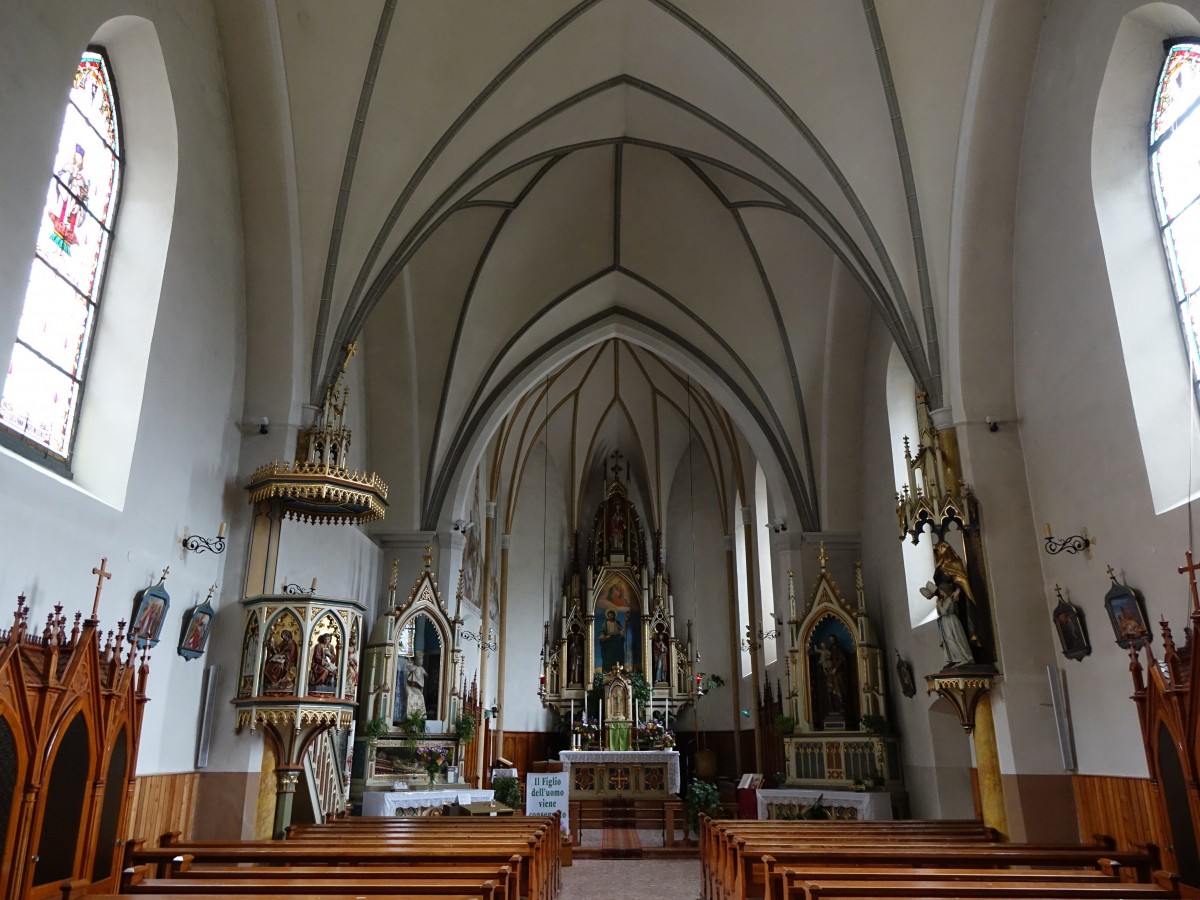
[
  {"x": 822, "y": 558},
  {"x": 165, "y": 573},
  {"x": 351, "y": 352},
  {"x": 792, "y": 594},
  {"x": 428, "y": 556},
  {"x": 395, "y": 579}
]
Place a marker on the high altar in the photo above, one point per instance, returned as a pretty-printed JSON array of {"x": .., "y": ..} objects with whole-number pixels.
[{"x": 614, "y": 665}]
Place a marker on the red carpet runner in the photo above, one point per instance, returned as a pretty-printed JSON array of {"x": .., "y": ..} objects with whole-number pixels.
[{"x": 620, "y": 839}]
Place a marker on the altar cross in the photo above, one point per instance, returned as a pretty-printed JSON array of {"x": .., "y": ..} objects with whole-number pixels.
[
  {"x": 1191, "y": 568},
  {"x": 101, "y": 575}
]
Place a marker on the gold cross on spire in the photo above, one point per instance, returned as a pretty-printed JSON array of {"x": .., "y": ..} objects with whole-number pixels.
[
  {"x": 165, "y": 573},
  {"x": 1112, "y": 574},
  {"x": 428, "y": 556}
]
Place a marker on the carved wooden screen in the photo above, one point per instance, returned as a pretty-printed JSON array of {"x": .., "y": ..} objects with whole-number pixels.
[
  {"x": 1169, "y": 713},
  {"x": 70, "y": 720}
]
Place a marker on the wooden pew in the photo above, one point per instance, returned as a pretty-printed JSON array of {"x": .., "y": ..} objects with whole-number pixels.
[{"x": 994, "y": 887}]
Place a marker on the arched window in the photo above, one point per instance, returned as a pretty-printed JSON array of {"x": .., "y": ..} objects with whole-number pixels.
[
  {"x": 1175, "y": 174},
  {"x": 48, "y": 366}
]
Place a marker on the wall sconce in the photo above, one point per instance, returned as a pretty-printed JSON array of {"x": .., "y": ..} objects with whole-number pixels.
[
  {"x": 198, "y": 544},
  {"x": 754, "y": 646},
  {"x": 264, "y": 425},
  {"x": 1076, "y": 543},
  {"x": 488, "y": 644}
]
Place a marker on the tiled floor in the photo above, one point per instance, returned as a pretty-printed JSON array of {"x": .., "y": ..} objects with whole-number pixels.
[{"x": 632, "y": 879}]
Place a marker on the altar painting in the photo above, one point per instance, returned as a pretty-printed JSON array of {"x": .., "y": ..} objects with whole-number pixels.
[
  {"x": 834, "y": 675},
  {"x": 618, "y": 635}
]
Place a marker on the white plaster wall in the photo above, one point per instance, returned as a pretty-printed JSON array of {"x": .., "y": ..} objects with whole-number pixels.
[
  {"x": 540, "y": 520},
  {"x": 186, "y": 446},
  {"x": 1077, "y": 423}
]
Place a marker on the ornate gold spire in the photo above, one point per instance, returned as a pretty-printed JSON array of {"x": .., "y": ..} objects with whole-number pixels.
[{"x": 318, "y": 486}]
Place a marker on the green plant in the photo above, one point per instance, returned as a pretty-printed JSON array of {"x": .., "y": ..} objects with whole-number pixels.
[
  {"x": 412, "y": 728},
  {"x": 784, "y": 724},
  {"x": 702, "y": 797},
  {"x": 377, "y": 727},
  {"x": 873, "y": 724},
  {"x": 465, "y": 725},
  {"x": 508, "y": 790}
]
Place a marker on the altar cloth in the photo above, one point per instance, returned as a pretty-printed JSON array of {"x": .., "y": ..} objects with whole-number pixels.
[
  {"x": 637, "y": 757},
  {"x": 869, "y": 805},
  {"x": 385, "y": 803}
]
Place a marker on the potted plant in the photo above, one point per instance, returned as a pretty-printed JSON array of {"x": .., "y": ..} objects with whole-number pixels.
[
  {"x": 376, "y": 728},
  {"x": 702, "y": 797},
  {"x": 465, "y": 725},
  {"x": 784, "y": 724},
  {"x": 507, "y": 791}
]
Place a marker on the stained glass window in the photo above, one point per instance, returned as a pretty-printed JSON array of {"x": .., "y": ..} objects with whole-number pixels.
[
  {"x": 1175, "y": 173},
  {"x": 46, "y": 372}
]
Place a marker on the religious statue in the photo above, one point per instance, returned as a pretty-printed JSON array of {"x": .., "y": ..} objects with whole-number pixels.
[
  {"x": 832, "y": 660},
  {"x": 323, "y": 669},
  {"x": 575, "y": 658},
  {"x": 616, "y": 531},
  {"x": 946, "y": 596},
  {"x": 279, "y": 671},
  {"x": 414, "y": 679},
  {"x": 612, "y": 642},
  {"x": 660, "y": 656}
]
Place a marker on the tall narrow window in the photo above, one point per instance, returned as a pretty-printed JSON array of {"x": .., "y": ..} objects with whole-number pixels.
[
  {"x": 1175, "y": 173},
  {"x": 47, "y": 370}
]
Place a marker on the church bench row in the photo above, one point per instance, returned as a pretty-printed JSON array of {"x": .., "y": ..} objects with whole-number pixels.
[
  {"x": 396, "y": 886},
  {"x": 287, "y": 895},
  {"x": 733, "y": 867},
  {"x": 787, "y": 884},
  {"x": 506, "y": 887},
  {"x": 534, "y": 869}
]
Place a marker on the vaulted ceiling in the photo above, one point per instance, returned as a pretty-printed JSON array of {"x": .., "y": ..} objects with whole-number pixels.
[{"x": 487, "y": 193}]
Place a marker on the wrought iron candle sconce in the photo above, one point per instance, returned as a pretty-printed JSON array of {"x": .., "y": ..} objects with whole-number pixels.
[
  {"x": 489, "y": 643},
  {"x": 1076, "y": 543},
  {"x": 763, "y": 636},
  {"x": 296, "y": 589},
  {"x": 198, "y": 544}
]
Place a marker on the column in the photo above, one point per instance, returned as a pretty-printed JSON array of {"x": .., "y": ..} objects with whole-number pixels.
[
  {"x": 755, "y": 626},
  {"x": 735, "y": 682},
  {"x": 987, "y": 763}
]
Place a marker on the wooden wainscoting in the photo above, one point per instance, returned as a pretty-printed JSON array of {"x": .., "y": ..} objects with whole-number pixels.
[
  {"x": 524, "y": 747},
  {"x": 162, "y": 803},
  {"x": 1127, "y": 809}
]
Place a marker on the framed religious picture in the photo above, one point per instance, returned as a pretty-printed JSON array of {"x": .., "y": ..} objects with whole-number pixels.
[
  {"x": 197, "y": 622},
  {"x": 904, "y": 672},
  {"x": 1072, "y": 632},
  {"x": 1127, "y": 614},
  {"x": 150, "y": 612}
]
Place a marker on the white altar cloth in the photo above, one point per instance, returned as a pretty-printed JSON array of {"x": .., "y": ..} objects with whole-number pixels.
[
  {"x": 385, "y": 803},
  {"x": 641, "y": 757},
  {"x": 870, "y": 805}
]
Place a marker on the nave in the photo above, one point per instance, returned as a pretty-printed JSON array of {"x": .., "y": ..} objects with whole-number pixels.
[{"x": 632, "y": 879}]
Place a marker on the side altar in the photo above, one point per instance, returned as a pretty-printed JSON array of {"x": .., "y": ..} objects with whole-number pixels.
[{"x": 836, "y": 695}]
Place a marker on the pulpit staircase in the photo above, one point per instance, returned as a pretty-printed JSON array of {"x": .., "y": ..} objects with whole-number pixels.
[{"x": 324, "y": 765}]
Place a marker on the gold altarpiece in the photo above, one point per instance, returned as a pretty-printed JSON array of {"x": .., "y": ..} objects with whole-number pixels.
[
  {"x": 616, "y": 611},
  {"x": 835, "y": 693}
]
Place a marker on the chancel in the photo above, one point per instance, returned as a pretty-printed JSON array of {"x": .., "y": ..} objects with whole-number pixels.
[{"x": 660, "y": 393}]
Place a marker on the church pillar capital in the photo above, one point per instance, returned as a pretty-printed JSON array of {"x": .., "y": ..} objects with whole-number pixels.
[
  {"x": 505, "y": 541},
  {"x": 942, "y": 418},
  {"x": 489, "y": 509},
  {"x": 747, "y": 515},
  {"x": 727, "y": 541}
]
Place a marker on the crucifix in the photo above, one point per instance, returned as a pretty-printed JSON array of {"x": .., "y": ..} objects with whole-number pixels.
[
  {"x": 1191, "y": 568},
  {"x": 101, "y": 575}
]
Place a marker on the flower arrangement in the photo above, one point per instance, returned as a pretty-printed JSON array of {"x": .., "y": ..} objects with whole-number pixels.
[
  {"x": 433, "y": 759},
  {"x": 586, "y": 728}
]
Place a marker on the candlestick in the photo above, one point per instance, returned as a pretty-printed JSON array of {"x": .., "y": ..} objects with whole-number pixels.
[
  {"x": 221, "y": 531},
  {"x": 314, "y": 584},
  {"x": 1049, "y": 533}
]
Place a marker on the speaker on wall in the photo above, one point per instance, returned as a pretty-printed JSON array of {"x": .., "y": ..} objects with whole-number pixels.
[
  {"x": 208, "y": 703},
  {"x": 1062, "y": 716}
]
